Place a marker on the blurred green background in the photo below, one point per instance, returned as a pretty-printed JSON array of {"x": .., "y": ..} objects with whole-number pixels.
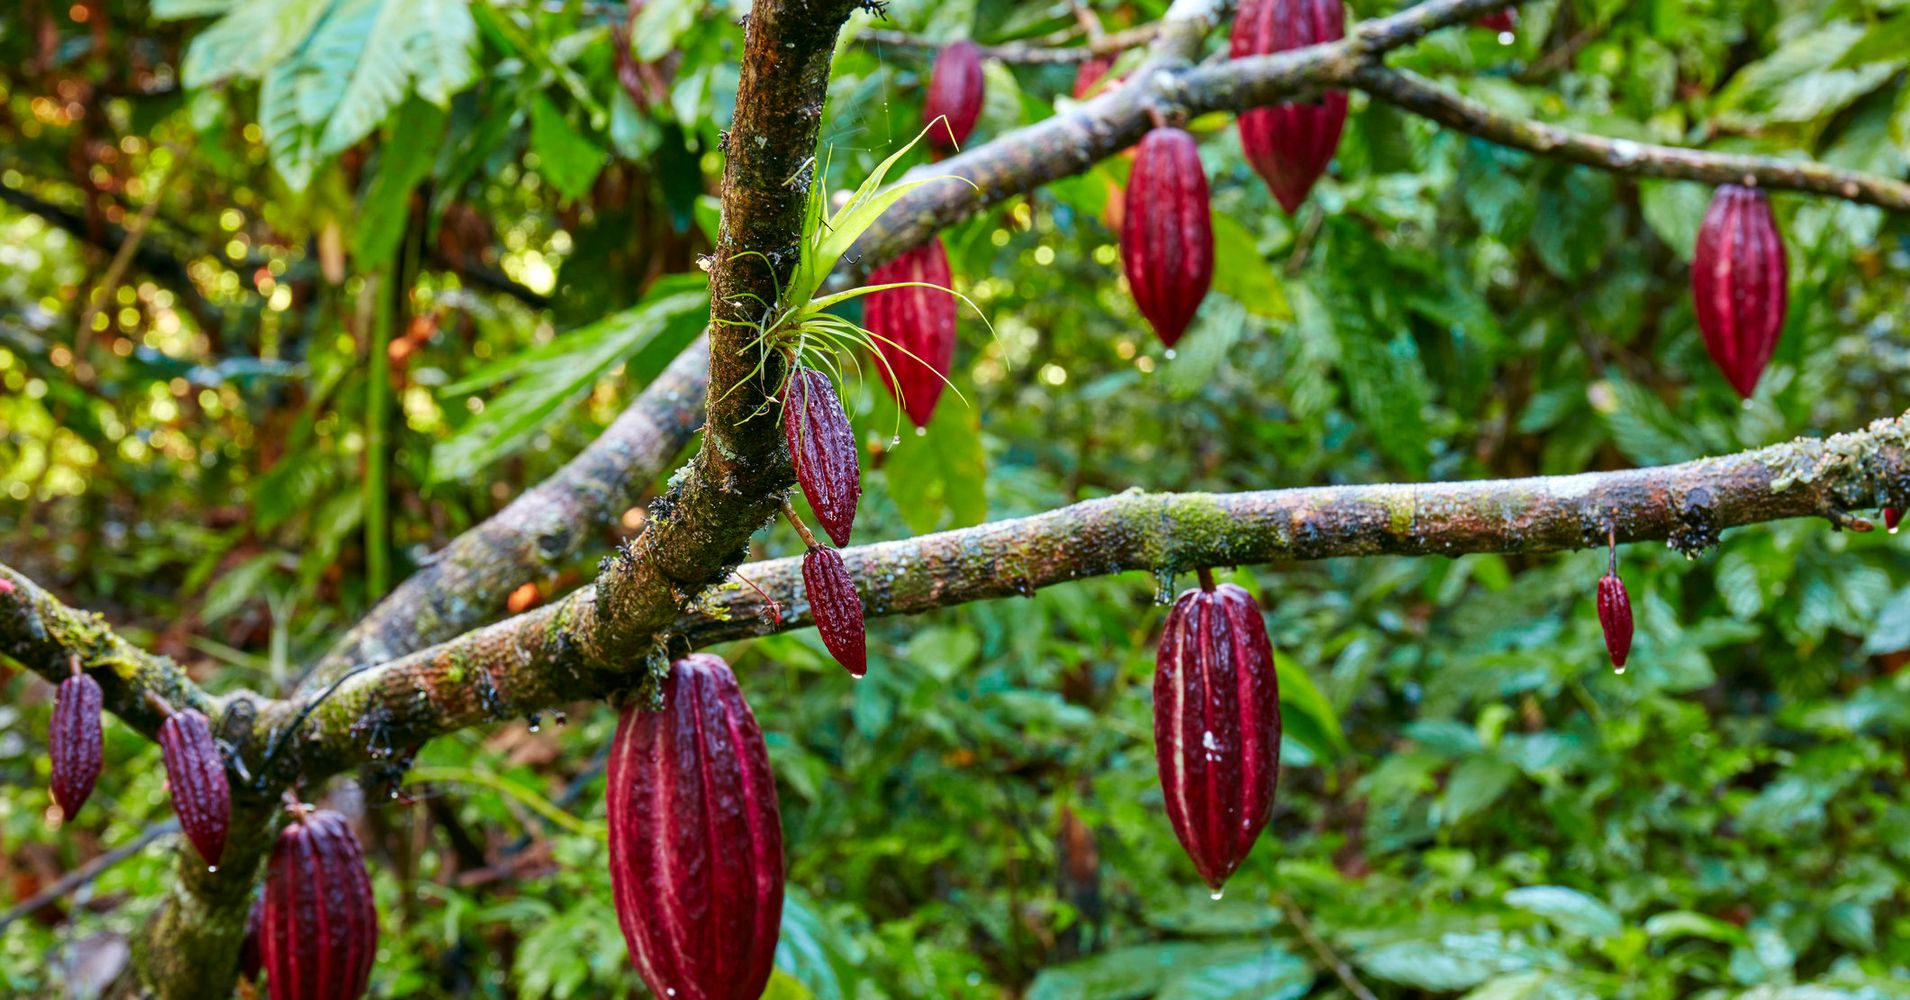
[{"x": 1472, "y": 803}]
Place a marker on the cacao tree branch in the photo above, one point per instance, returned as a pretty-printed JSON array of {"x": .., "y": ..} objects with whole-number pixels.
[
  {"x": 1422, "y": 97},
  {"x": 528, "y": 663},
  {"x": 1022, "y": 53}
]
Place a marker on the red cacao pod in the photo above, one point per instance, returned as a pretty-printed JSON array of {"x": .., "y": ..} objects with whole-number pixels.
[
  {"x": 954, "y": 95},
  {"x": 1290, "y": 145},
  {"x": 837, "y": 608},
  {"x": 1167, "y": 233},
  {"x": 73, "y": 742},
  {"x": 1738, "y": 284},
  {"x": 318, "y": 933},
  {"x": 823, "y": 449},
  {"x": 1216, "y": 726},
  {"x": 1614, "y": 616},
  {"x": 1090, "y": 74},
  {"x": 196, "y": 771},
  {"x": 1892, "y": 517},
  {"x": 696, "y": 842},
  {"x": 914, "y": 328},
  {"x": 1503, "y": 22}
]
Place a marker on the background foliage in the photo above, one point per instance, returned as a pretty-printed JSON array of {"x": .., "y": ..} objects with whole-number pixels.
[{"x": 1472, "y": 803}]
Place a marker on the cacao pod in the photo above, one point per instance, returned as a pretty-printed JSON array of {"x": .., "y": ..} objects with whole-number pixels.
[
  {"x": 1167, "y": 233},
  {"x": 823, "y": 449},
  {"x": 1290, "y": 145},
  {"x": 696, "y": 842},
  {"x": 837, "y": 608},
  {"x": 1090, "y": 74},
  {"x": 318, "y": 934},
  {"x": 1216, "y": 726},
  {"x": 954, "y": 96},
  {"x": 251, "y": 959},
  {"x": 73, "y": 742},
  {"x": 1614, "y": 616},
  {"x": 196, "y": 772},
  {"x": 1892, "y": 517},
  {"x": 914, "y": 328},
  {"x": 1738, "y": 284},
  {"x": 1504, "y": 22}
]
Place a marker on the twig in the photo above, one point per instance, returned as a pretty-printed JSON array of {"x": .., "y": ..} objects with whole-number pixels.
[
  {"x": 1322, "y": 950},
  {"x": 89, "y": 871}
]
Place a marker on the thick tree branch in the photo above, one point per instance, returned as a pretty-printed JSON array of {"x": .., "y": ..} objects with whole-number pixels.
[
  {"x": 1428, "y": 100},
  {"x": 1022, "y": 53},
  {"x": 526, "y": 664}
]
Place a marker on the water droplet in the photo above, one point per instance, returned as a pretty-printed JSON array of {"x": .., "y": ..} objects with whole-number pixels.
[
  {"x": 1507, "y": 38},
  {"x": 1620, "y": 671},
  {"x": 921, "y": 432},
  {"x": 1216, "y": 894},
  {"x": 1164, "y": 587},
  {"x": 212, "y": 868},
  {"x": 1170, "y": 354},
  {"x": 893, "y": 441},
  {"x": 1896, "y": 529}
]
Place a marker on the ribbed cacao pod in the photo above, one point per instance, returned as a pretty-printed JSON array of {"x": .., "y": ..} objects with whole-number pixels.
[
  {"x": 1167, "y": 233},
  {"x": 1892, "y": 517},
  {"x": 1614, "y": 616},
  {"x": 73, "y": 742},
  {"x": 319, "y": 931},
  {"x": 837, "y": 608},
  {"x": 954, "y": 95},
  {"x": 914, "y": 328},
  {"x": 1290, "y": 145},
  {"x": 1738, "y": 283},
  {"x": 196, "y": 771},
  {"x": 823, "y": 449},
  {"x": 1216, "y": 726},
  {"x": 696, "y": 842}
]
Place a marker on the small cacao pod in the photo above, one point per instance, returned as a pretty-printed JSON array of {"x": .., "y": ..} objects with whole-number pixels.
[
  {"x": 251, "y": 958},
  {"x": 1290, "y": 145},
  {"x": 823, "y": 449},
  {"x": 318, "y": 931},
  {"x": 1614, "y": 616},
  {"x": 1216, "y": 726},
  {"x": 837, "y": 608},
  {"x": 914, "y": 328},
  {"x": 1090, "y": 74},
  {"x": 73, "y": 742},
  {"x": 1503, "y": 22},
  {"x": 1892, "y": 517},
  {"x": 1738, "y": 284},
  {"x": 1167, "y": 232},
  {"x": 696, "y": 842},
  {"x": 196, "y": 771},
  {"x": 954, "y": 96}
]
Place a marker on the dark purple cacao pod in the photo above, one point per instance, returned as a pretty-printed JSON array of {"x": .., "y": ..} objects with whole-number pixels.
[
  {"x": 914, "y": 328},
  {"x": 1290, "y": 145},
  {"x": 955, "y": 95},
  {"x": 196, "y": 771},
  {"x": 318, "y": 933},
  {"x": 823, "y": 449},
  {"x": 1738, "y": 284},
  {"x": 837, "y": 608},
  {"x": 1167, "y": 232},
  {"x": 73, "y": 742},
  {"x": 251, "y": 958},
  {"x": 1614, "y": 616},
  {"x": 1216, "y": 726},
  {"x": 1892, "y": 517},
  {"x": 696, "y": 841}
]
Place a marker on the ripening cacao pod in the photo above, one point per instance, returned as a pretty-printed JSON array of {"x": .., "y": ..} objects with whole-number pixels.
[
  {"x": 1503, "y": 22},
  {"x": 1290, "y": 145},
  {"x": 914, "y": 328},
  {"x": 1614, "y": 616},
  {"x": 837, "y": 608},
  {"x": 1216, "y": 726},
  {"x": 1738, "y": 284},
  {"x": 823, "y": 450},
  {"x": 1892, "y": 517},
  {"x": 318, "y": 933},
  {"x": 1089, "y": 75},
  {"x": 1167, "y": 233},
  {"x": 696, "y": 841},
  {"x": 73, "y": 741},
  {"x": 251, "y": 958},
  {"x": 196, "y": 771},
  {"x": 954, "y": 96}
]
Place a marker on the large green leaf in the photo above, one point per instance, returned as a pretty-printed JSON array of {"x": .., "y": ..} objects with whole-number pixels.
[
  {"x": 1146, "y": 969},
  {"x": 1570, "y": 909},
  {"x": 548, "y": 380},
  {"x": 938, "y": 479}
]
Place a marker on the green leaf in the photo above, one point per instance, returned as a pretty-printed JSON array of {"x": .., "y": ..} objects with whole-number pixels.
[
  {"x": 1685, "y": 923},
  {"x": 236, "y": 586},
  {"x": 1474, "y": 786},
  {"x": 1387, "y": 386},
  {"x": 939, "y": 479},
  {"x": 428, "y": 41},
  {"x": 565, "y": 156},
  {"x": 403, "y": 162},
  {"x": 815, "y": 952},
  {"x": 179, "y": 10},
  {"x": 1142, "y": 970},
  {"x": 250, "y": 40},
  {"x": 552, "y": 378},
  {"x": 661, "y": 24},
  {"x": 1306, "y": 714},
  {"x": 1243, "y": 274},
  {"x": 1852, "y": 925},
  {"x": 1273, "y": 976},
  {"x": 1570, "y": 909},
  {"x": 1218, "y": 327},
  {"x": 1454, "y": 962}
]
